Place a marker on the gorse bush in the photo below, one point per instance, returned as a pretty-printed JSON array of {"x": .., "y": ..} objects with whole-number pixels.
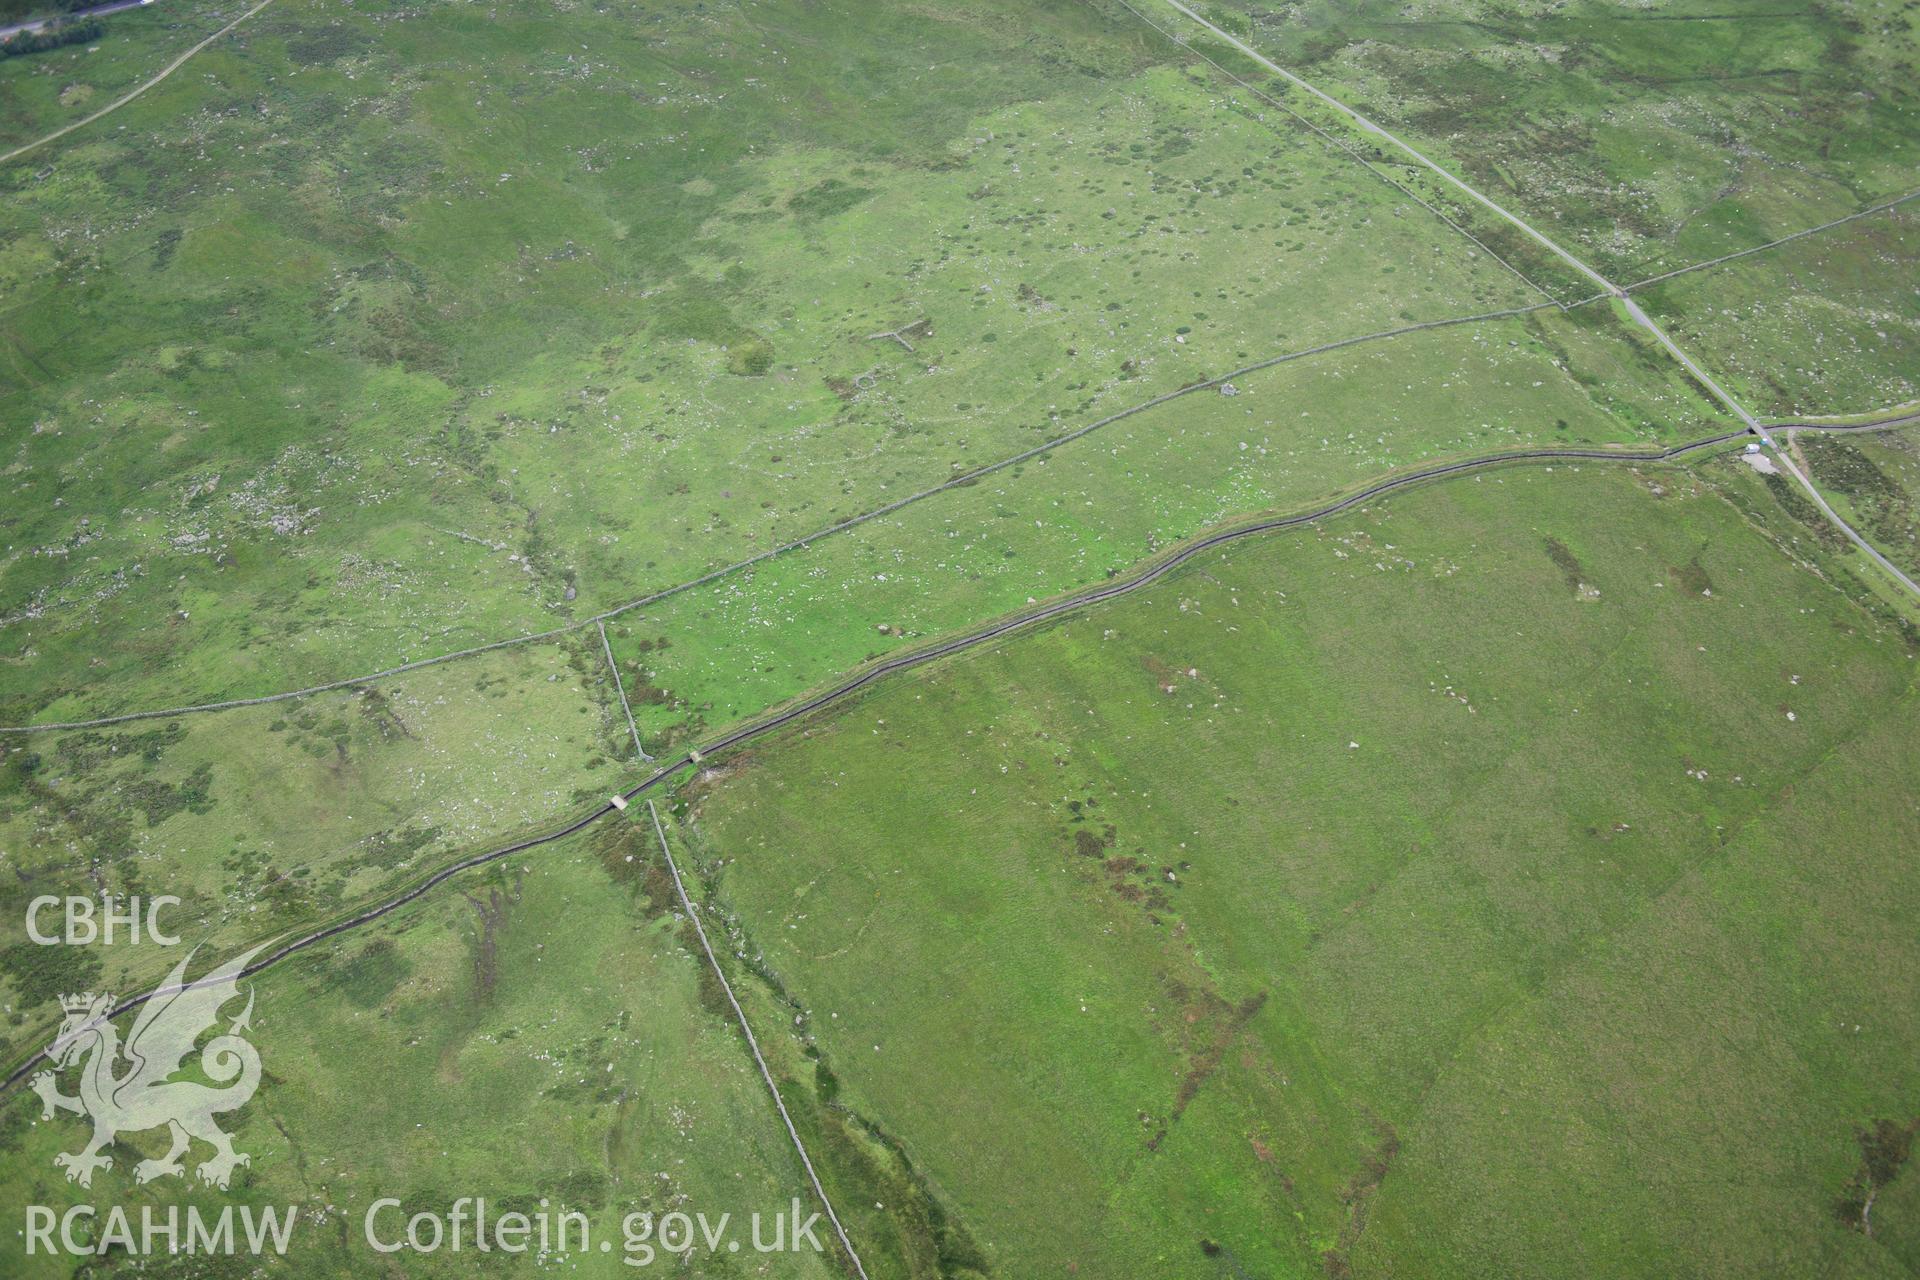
[{"x": 52, "y": 37}]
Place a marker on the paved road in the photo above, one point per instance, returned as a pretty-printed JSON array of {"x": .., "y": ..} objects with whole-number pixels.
[
  {"x": 1614, "y": 291},
  {"x": 1369, "y": 126},
  {"x": 920, "y": 657},
  {"x": 1806, "y": 482},
  {"x": 96, "y": 11}
]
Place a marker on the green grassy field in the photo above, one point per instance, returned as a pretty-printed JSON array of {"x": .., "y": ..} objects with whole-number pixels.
[
  {"x": 1648, "y": 137},
  {"x": 1776, "y": 505},
  {"x": 1509, "y": 877},
  {"x": 539, "y": 1032},
  {"x": 268, "y": 820},
  {"x": 329, "y": 366},
  {"x": 1825, "y": 326},
  {"x": 42, "y": 92},
  {"x": 1547, "y": 825},
  {"x": 1876, "y": 478},
  {"x": 1651, "y": 140},
  {"x": 279, "y": 416},
  {"x": 1295, "y": 435}
]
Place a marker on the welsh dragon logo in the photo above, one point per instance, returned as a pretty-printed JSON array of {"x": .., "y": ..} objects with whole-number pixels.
[{"x": 127, "y": 1088}]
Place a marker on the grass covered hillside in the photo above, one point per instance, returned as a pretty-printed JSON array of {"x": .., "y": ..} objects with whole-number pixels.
[
  {"x": 1511, "y": 879},
  {"x": 384, "y": 334},
  {"x": 1183, "y": 639}
]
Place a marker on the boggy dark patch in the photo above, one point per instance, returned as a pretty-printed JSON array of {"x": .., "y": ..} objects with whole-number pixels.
[
  {"x": 1885, "y": 1148},
  {"x": 1570, "y": 566},
  {"x": 1691, "y": 578}
]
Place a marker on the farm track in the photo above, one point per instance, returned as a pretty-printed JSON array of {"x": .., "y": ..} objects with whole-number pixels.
[
  {"x": 956, "y": 644},
  {"x": 133, "y": 93}
]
